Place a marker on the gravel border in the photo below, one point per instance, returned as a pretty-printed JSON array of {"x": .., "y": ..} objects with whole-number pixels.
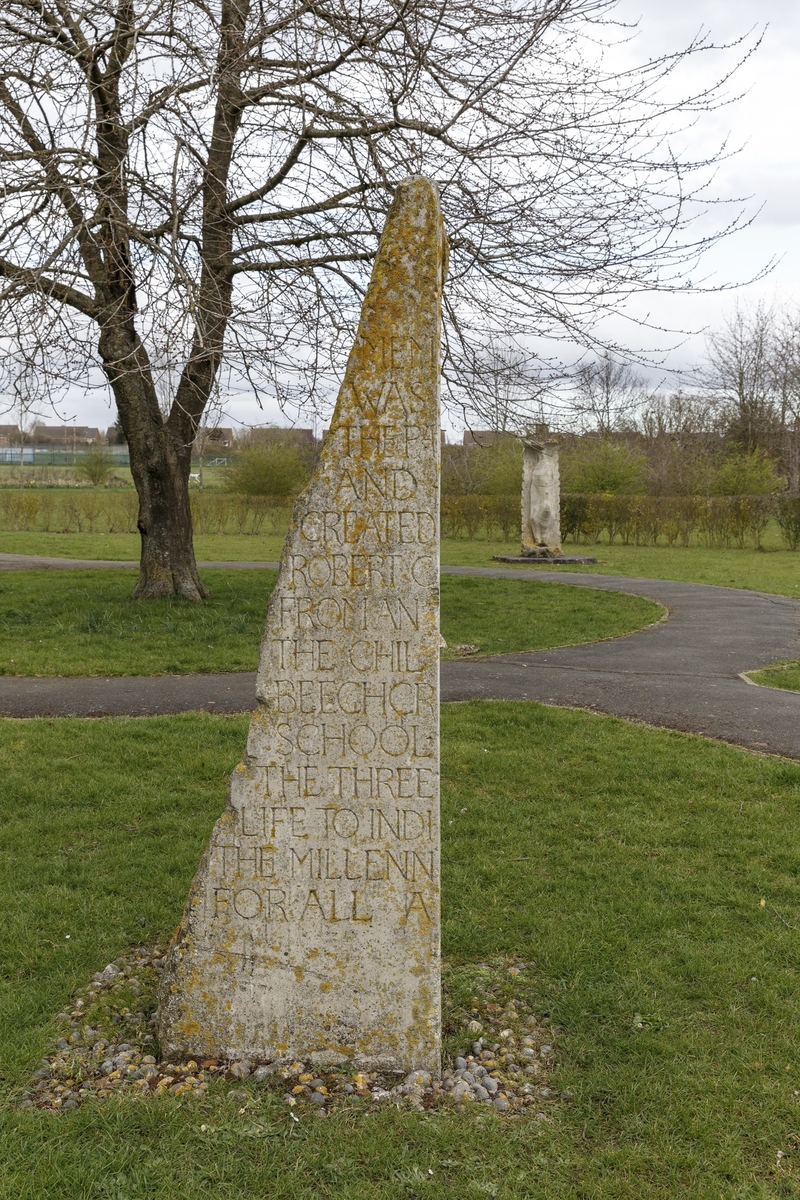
[{"x": 108, "y": 1049}]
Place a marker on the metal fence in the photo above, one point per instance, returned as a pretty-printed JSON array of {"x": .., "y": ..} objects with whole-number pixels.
[{"x": 50, "y": 456}]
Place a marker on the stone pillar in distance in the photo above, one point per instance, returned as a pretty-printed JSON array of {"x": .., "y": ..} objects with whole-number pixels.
[
  {"x": 541, "y": 495},
  {"x": 312, "y": 925}
]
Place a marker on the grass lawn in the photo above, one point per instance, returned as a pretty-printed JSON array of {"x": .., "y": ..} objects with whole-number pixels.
[
  {"x": 84, "y": 622},
  {"x": 770, "y": 570},
  {"x": 781, "y": 675},
  {"x": 652, "y": 878},
  {"x": 62, "y": 477},
  {"x": 224, "y": 547}
]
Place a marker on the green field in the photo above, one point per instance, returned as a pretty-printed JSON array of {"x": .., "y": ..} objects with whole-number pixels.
[
  {"x": 219, "y": 547},
  {"x": 58, "y": 477},
  {"x": 85, "y": 623},
  {"x": 652, "y": 878},
  {"x": 780, "y": 675},
  {"x": 756, "y": 570},
  {"x": 769, "y": 570}
]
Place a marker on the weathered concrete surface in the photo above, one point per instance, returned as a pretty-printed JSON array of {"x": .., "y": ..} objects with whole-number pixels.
[
  {"x": 37, "y": 562},
  {"x": 40, "y": 562},
  {"x": 541, "y": 494},
  {"x": 312, "y": 928}
]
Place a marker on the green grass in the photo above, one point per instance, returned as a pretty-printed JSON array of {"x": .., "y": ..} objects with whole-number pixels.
[
  {"x": 779, "y": 675},
  {"x": 119, "y": 547},
  {"x": 85, "y": 623},
  {"x": 770, "y": 570},
  {"x": 64, "y": 477},
  {"x": 508, "y": 616},
  {"x": 629, "y": 864}
]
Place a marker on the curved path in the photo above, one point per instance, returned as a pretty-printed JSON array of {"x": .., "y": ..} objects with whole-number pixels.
[
  {"x": 683, "y": 673},
  {"x": 40, "y": 562}
]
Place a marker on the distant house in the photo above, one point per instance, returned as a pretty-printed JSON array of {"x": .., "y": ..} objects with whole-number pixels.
[
  {"x": 66, "y": 437},
  {"x": 210, "y": 441},
  {"x": 9, "y": 435},
  {"x": 480, "y": 437},
  {"x": 280, "y": 433},
  {"x": 306, "y": 436},
  {"x": 265, "y": 435}
]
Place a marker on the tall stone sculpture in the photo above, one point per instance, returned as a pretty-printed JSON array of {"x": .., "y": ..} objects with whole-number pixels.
[
  {"x": 541, "y": 498},
  {"x": 312, "y": 926}
]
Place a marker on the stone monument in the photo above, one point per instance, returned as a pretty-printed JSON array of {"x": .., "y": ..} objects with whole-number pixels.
[
  {"x": 312, "y": 925},
  {"x": 541, "y": 495},
  {"x": 541, "y": 504}
]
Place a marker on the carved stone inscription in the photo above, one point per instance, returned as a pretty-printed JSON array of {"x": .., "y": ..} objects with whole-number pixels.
[{"x": 312, "y": 928}]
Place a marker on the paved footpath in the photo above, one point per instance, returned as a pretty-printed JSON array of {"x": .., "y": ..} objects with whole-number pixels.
[
  {"x": 38, "y": 562},
  {"x": 682, "y": 673}
]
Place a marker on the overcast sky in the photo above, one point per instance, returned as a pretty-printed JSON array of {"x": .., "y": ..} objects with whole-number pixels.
[{"x": 764, "y": 122}]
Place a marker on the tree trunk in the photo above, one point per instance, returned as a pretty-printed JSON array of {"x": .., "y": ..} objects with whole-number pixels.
[
  {"x": 167, "y": 566},
  {"x": 160, "y": 457},
  {"x": 792, "y": 455}
]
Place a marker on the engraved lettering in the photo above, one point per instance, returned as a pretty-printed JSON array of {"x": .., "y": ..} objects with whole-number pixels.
[
  {"x": 247, "y": 902},
  {"x": 416, "y": 903}
]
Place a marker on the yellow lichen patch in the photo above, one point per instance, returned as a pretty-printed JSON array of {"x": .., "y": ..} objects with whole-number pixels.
[{"x": 190, "y": 1028}]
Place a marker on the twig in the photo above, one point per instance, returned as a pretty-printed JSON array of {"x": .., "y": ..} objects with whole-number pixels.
[{"x": 780, "y": 918}]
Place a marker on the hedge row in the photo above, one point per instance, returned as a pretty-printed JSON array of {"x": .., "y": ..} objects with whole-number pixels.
[
  {"x": 715, "y": 522},
  {"x": 88, "y": 511},
  {"x": 78, "y": 511},
  {"x": 469, "y": 515}
]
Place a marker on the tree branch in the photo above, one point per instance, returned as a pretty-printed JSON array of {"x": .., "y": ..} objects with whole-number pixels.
[
  {"x": 301, "y": 264},
  {"x": 33, "y": 281}
]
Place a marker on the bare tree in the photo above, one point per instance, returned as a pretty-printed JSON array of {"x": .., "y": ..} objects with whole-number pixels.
[
  {"x": 502, "y": 386},
  {"x": 190, "y": 186},
  {"x": 679, "y": 415},
  {"x": 740, "y": 373},
  {"x": 683, "y": 438},
  {"x": 607, "y": 395},
  {"x": 753, "y": 375},
  {"x": 785, "y": 358}
]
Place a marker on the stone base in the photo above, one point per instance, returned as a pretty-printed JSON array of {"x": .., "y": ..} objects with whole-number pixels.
[{"x": 536, "y": 560}]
